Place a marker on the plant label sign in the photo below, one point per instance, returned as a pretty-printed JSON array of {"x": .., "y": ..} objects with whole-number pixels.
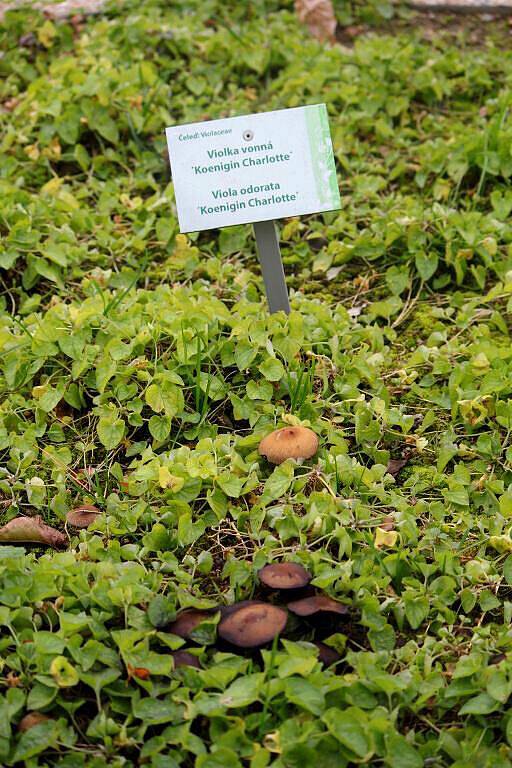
[{"x": 254, "y": 168}]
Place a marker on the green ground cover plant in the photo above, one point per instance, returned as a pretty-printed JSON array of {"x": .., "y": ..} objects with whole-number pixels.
[{"x": 139, "y": 371}]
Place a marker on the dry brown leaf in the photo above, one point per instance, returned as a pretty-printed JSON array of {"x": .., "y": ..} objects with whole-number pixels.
[
  {"x": 318, "y": 15},
  {"x": 395, "y": 465},
  {"x": 31, "y": 719},
  {"x": 11, "y": 104},
  {"x": 25, "y": 530},
  {"x": 388, "y": 524}
]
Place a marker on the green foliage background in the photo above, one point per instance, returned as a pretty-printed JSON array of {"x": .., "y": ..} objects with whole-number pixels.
[{"x": 139, "y": 369}]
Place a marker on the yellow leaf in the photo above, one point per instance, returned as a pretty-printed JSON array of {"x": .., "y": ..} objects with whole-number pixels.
[
  {"x": 46, "y": 34},
  {"x": 166, "y": 480},
  {"x": 480, "y": 363},
  {"x": 464, "y": 253},
  {"x": 181, "y": 242},
  {"x": 52, "y": 187},
  {"x": 501, "y": 544},
  {"x": 420, "y": 443},
  {"x": 63, "y": 673},
  {"x": 385, "y": 538},
  {"x": 291, "y": 228},
  {"x": 68, "y": 199},
  {"x": 473, "y": 411},
  {"x": 490, "y": 245},
  {"x": 32, "y": 151},
  {"x": 294, "y": 421},
  {"x": 54, "y": 150}
]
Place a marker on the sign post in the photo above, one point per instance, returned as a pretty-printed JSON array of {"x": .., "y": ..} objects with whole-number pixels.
[
  {"x": 267, "y": 241},
  {"x": 255, "y": 169}
]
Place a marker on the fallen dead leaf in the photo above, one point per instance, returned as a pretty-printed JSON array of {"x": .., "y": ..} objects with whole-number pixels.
[
  {"x": 333, "y": 272},
  {"x": 318, "y": 16},
  {"x": 32, "y": 530},
  {"x": 13, "y": 680},
  {"x": 31, "y": 719},
  {"x": 354, "y": 312},
  {"x": 11, "y": 104},
  {"x": 395, "y": 465}
]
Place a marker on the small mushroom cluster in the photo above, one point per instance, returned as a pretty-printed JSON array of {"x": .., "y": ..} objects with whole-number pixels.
[{"x": 255, "y": 623}]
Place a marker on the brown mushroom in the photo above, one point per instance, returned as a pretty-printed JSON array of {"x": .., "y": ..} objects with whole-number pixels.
[
  {"x": 183, "y": 658},
  {"x": 326, "y": 654},
  {"x": 31, "y": 719},
  {"x": 227, "y": 610},
  {"x": 284, "y": 576},
  {"x": 308, "y": 606},
  {"x": 186, "y": 621},
  {"x": 289, "y": 443},
  {"x": 252, "y": 623},
  {"x": 82, "y": 516}
]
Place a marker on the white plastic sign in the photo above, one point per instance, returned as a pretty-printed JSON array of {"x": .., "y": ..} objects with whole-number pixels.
[{"x": 254, "y": 168}]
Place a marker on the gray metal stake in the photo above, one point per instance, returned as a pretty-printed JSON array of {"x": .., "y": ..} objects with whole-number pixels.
[{"x": 269, "y": 256}]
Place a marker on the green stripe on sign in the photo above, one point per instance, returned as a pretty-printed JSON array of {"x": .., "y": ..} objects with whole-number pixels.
[{"x": 324, "y": 170}]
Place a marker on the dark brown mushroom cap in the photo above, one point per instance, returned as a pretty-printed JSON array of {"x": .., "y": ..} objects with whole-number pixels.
[
  {"x": 82, "y": 516},
  {"x": 252, "y": 624},
  {"x": 289, "y": 443},
  {"x": 227, "y": 610},
  {"x": 326, "y": 654},
  {"x": 183, "y": 658},
  {"x": 186, "y": 621},
  {"x": 31, "y": 719},
  {"x": 284, "y": 576},
  {"x": 316, "y": 604}
]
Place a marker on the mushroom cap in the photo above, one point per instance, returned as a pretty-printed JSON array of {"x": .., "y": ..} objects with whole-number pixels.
[
  {"x": 326, "y": 654},
  {"x": 284, "y": 576},
  {"x": 289, "y": 443},
  {"x": 82, "y": 516},
  {"x": 317, "y": 604},
  {"x": 252, "y": 624},
  {"x": 31, "y": 719},
  {"x": 183, "y": 658},
  {"x": 186, "y": 621}
]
